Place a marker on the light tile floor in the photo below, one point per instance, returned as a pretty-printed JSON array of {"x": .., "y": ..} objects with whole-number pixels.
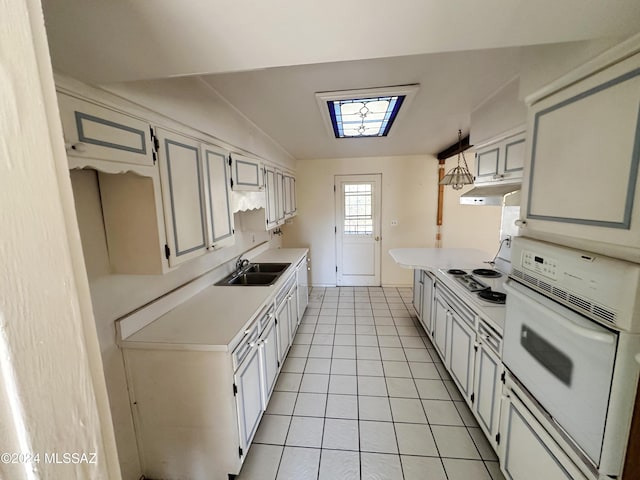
[{"x": 363, "y": 395}]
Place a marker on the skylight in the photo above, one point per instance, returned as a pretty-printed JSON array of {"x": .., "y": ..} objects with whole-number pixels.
[
  {"x": 364, "y": 117},
  {"x": 363, "y": 113}
]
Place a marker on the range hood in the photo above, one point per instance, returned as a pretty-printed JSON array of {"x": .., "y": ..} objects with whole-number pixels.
[{"x": 488, "y": 195}]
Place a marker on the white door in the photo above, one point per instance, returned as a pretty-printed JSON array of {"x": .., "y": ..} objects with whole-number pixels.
[{"x": 358, "y": 229}]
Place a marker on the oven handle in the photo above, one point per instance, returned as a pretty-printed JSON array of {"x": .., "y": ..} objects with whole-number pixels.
[{"x": 565, "y": 321}]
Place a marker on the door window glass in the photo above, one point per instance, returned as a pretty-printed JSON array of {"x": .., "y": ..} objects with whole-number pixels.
[{"x": 358, "y": 214}]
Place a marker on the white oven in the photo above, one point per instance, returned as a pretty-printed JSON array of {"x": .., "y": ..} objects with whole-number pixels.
[
  {"x": 565, "y": 360},
  {"x": 568, "y": 341}
]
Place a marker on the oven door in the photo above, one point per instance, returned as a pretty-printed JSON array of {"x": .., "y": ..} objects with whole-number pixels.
[{"x": 565, "y": 360}]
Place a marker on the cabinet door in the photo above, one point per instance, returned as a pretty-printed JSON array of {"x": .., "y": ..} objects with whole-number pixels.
[
  {"x": 181, "y": 178},
  {"x": 280, "y": 196},
  {"x": 513, "y": 158},
  {"x": 487, "y": 164},
  {"x": 293, "y": 313},
  {"x": 462, "y": 353},
  {"x": 584, "y": 153},
  {"x": 292, "y": 187},
  {"x": 270, "y": 357},
  {"x": 92, "y": 131},
  {"x": 282, "y": 317},
  {"x": 427, "y": 303},
  {"x": 246, "y": 173},
  {"x": 272, "y": 197},
  {"x": 302, "y": 279},
  {"x": 286, "y": 191},
  {"x": 417, "y": 292},
  {"x": 249, "y": 396},
  {"x": 487, "y": 386},
  {"x": 527, "y": 452},
  {"x": 440, "y": 321},
  {"x": 219, "y": 218}
]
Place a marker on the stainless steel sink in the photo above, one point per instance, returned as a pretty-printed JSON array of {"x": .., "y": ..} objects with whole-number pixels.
[
  {"x": 255, "y": 274},
  {"x": 254, "y": 279},
  {"x": 267, "y": 267}
]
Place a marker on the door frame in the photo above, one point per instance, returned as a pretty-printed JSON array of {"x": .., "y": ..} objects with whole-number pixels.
[{"x": 376, "y": 179}]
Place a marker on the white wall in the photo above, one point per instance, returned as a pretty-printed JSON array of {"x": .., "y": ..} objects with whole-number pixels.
[
  {"x": 501, "y": 112},
  {"x": 409, "y": 195},
  {"x": 545, "y": 63},
  {"x": 52, "y": 391},
  {"x": 195, "y": 103}
]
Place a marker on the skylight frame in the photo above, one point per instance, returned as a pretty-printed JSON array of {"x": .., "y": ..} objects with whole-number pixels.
[{"x": 406, "y": 91}]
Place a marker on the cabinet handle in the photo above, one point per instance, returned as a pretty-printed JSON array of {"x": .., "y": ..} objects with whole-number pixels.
[
  {"x": 77, "y": 147},
  {"x": 308, "y": 269}
]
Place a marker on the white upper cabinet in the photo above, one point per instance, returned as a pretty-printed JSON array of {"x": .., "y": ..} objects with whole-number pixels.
[
  {"x": 583, "y": 159},
  {"x": 501, "y": 160},
  {"x": 182, "y": 195},
  {"x": 220, "y": 230},
  {"x": 272, "y": 197},
  {"x": 246, "y": 173},
  {"x": 280, "y": 196},
  {"x": 93, "y": 131},
  {"x": 289, "y": 195}
]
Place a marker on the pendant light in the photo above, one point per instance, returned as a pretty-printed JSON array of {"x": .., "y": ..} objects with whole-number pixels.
[{"x": 458, "y": 176}]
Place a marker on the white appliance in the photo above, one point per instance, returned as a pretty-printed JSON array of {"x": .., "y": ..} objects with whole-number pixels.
[{"x": 569, "y": 340}]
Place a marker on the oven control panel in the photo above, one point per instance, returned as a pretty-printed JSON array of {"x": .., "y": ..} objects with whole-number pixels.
[{"x": 544, "y": 266}]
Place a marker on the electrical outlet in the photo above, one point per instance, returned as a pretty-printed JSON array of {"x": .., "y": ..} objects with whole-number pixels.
[
  {"x": 507, "y": 241},
  {"x": 394, "y": 223}
]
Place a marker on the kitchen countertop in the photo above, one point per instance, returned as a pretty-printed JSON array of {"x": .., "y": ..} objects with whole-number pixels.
[
  {"x": 436, "y": 259},
  {"x": 215, "y": 318}
]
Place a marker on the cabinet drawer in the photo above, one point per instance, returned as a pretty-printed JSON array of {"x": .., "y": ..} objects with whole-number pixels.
[
  {"x": 92, "y": 131},
  {"x": 246, "y": 344},
  {"x": 490, "y": 337}
]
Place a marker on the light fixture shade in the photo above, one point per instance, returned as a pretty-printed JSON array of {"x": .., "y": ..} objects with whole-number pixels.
[{"x": 457, "y": 178}]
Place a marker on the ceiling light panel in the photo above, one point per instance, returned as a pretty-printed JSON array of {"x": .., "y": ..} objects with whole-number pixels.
[{"x": 363, "y": 113}]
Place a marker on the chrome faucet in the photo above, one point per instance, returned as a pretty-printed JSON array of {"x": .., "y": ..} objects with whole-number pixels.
[{"x": 241, "y": 263}]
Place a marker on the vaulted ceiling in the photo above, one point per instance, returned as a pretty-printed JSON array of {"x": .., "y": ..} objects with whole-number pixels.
[{"x": 268, "y": 58}]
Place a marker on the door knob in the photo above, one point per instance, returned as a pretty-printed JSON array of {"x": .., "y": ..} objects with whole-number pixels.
[{"x": 377, "y": 239}]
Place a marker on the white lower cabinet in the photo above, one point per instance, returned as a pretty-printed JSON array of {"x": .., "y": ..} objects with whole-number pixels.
[
  {"x": 487, "y": 385},
  {"x": 440, "y": 321},
  {"x": 417, "y": 292},
  {"x": 454, "y": 338},
  {"x": 269, "y": 355},
  {"x": 282, "y": 319},
  {"x": 293, "y": 312},
  {"x": 249, "y": 395},
  {"x": 428, "y": 284},
  {"x": 527, "y": 451},
  {"x": 302, "y": 278},
  {"x": 461, "y": 353}
]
